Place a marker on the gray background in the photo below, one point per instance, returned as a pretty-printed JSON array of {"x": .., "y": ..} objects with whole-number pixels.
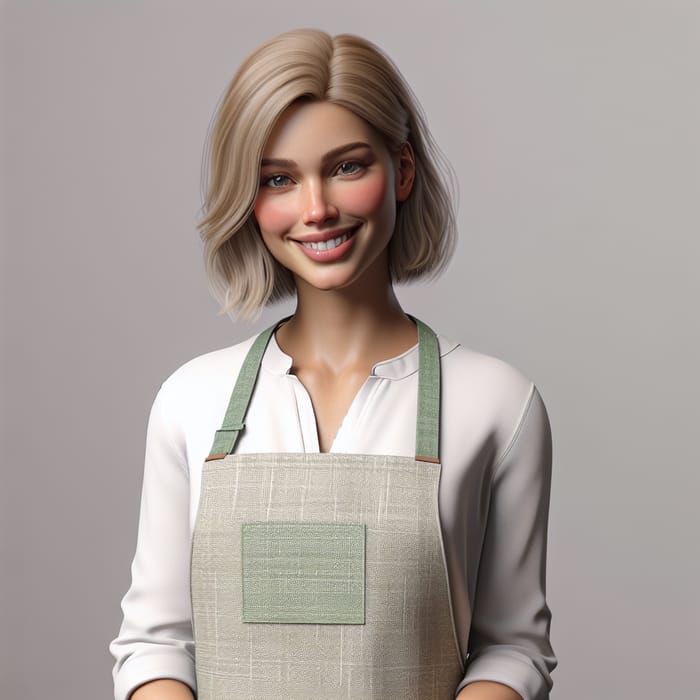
[{"x": 573, "y": 129}]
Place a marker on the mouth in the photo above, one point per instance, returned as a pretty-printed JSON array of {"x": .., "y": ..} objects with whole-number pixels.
[
  {"x": 329, "y": 243},
  {"x": 329, "y": 246}
]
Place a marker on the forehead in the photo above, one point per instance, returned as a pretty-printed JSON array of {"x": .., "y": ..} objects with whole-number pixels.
[{"x": 306, "y": 129}]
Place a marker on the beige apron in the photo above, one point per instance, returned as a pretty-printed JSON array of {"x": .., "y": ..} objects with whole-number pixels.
[{"x": 322, "y": 576}]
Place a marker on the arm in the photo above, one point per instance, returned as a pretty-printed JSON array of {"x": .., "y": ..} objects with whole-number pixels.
[
  {"x": 163, "y": 689},
  {"x": 155, "y": 640},
  {"x": 509, "y": 637},
  {"x": 487, "y": 690}
]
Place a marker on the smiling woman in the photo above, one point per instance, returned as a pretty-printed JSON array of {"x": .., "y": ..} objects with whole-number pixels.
[
  {"x": 307, "y": 66},
  {"x": 346, "y": 505}
]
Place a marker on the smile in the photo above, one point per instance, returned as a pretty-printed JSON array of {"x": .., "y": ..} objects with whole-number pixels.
[
  {"x": 332, "y": 249},
  {"x": 329, "y": 244}
]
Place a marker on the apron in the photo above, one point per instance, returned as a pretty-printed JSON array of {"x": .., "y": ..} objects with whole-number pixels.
[{"x": 321, "y": 576}]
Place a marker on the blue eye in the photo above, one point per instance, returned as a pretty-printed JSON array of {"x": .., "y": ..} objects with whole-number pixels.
[
  {"x": 349, "y": 167},
  {"x": 276, "y": 181}
]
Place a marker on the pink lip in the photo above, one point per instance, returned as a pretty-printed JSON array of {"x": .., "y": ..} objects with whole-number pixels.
[{"x": 328, "y": 255}]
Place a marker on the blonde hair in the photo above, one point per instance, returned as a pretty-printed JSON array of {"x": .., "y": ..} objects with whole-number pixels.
[{"x": 345, "y": 70}]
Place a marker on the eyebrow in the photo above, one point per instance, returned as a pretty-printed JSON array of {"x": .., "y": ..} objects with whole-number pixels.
[{"x": 334, "y": 153}]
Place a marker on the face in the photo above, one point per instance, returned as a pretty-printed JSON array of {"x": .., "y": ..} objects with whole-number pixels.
[{"x": 326, "y": 206}]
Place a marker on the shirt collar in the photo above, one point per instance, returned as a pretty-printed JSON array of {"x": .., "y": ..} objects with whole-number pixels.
[{"x": 278, "y": 362}]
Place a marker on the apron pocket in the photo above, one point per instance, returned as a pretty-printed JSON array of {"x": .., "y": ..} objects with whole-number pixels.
[{"x": 303, "y": 572}]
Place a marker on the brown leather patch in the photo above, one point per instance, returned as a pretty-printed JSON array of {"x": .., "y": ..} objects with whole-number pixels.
[
  {"x": 421, "y": 458},
  {"x": 218, "y": 455}
]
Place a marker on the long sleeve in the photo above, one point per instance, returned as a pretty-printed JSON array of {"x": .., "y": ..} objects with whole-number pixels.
[
  {"x": 509, "y": 637},
  {"x": 155, "y": 639}
]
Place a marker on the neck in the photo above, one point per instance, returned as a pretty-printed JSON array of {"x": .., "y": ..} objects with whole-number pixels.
[{"x": 355, "y": 326}]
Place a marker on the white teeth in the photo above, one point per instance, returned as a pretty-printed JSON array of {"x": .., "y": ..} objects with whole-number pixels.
[{"x": 329, "y": 244}]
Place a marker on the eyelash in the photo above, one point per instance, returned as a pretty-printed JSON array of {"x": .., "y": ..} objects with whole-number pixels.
[
  {"x": 267, "y": 181},
  {"x": 358, "y": 168}
]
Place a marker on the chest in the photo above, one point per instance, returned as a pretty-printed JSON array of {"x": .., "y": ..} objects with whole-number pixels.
[
  {"x": 377, "y": 417},
  {"x": 331, "y": 397}
]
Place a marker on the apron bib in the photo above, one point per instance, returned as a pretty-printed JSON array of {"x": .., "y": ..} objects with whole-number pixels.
[{"x": 321, "y": 576}]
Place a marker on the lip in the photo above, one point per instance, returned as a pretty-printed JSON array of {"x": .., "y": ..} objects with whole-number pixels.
[
  {"x": 325, "y": 235},
  {"x": 334, "y": 253}
]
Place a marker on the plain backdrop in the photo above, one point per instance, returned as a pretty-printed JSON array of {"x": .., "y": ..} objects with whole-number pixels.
[{"x": 573, "y": 131}]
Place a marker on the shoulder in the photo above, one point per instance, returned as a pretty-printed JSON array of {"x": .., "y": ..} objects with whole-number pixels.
[
  {"x": 204, "y": 380},
  {"x": 487, "y": 376},
  {"x": 210, "y": 365},
  {"x": 487, "y": 393},
  {"x": 191, "y": 401}
]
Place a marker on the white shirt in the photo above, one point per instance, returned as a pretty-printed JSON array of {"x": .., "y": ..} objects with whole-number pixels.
[{"x": 495, "y": 451}]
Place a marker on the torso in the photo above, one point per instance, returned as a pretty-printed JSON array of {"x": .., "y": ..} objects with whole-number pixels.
[
  {"x": 366, "y": 527},
  {"x": 483, "y": 400}
]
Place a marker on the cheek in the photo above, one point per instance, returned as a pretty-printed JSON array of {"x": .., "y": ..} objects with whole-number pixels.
[
  {"x": 367, "y": 197},
  {"x": 272, "y": 213}
]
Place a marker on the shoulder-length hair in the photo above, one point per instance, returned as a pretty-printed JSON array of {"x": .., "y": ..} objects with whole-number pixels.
[{"x": 345, "y": 70}]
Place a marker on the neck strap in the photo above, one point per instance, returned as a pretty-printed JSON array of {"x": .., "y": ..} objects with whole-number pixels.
[{"x": 428, "y": 414}]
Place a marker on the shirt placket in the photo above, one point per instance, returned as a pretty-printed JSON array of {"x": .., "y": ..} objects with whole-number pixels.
[{"x": 344, "y": 439}]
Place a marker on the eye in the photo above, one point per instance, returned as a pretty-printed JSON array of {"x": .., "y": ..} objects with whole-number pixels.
[
  {"x": 276, "y": 181},
  {"x": 350, "y": 167}
]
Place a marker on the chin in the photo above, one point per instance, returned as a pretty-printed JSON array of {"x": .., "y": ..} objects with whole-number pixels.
[
  {"x": 329, "y": 282},
  {"x": 329, "y": 285}
]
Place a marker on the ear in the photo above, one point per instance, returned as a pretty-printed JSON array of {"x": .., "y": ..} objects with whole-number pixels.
[{"x": 405, "y": 171}]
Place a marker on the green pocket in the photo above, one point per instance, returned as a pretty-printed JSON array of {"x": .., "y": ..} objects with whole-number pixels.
[{"x": 303, "y": 573}]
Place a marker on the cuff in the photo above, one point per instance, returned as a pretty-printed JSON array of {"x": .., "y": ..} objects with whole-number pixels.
[{"x": 511, "y": 669}]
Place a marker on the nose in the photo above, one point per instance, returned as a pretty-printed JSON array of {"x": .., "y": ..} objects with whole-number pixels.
[{"x": 317, "y": 208}]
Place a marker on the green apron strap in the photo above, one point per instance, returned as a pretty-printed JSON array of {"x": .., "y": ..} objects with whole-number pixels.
[
  {"x": 428, "y": 414},
  {"x": 225, "y": 438}
]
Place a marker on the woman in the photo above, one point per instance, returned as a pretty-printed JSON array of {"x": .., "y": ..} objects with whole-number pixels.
[{"x": 370, "y": 520}]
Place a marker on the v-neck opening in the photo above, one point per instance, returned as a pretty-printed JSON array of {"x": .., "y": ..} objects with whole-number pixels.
[
  {"x": 306, "y": 396},
  {"x": 300, "y": 389}
]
